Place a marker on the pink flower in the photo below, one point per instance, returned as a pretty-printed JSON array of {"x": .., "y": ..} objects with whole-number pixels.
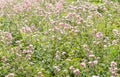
[
  {"x": 99, "y": 35},
  {"x": 26, "y": 29},
  {"x": 31, "y": 47},
  {"x": 91, "y": 63},
  {"x": 76, "y": 72},
  {"x": 8, "y": 35},
  {"x": 83, "y": 64},
  {"x": 59, "y": 6},
  {"x": 113, "y": 69},
  {"x": 64, "y": 25},
  {"x": 113, "y": 64}
]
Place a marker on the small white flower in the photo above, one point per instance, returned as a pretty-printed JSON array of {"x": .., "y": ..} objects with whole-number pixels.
[{"x": 10, "y": 75}]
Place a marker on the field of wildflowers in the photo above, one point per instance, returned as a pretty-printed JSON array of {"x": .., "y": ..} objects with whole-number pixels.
[{"x": 59, "y": 38}]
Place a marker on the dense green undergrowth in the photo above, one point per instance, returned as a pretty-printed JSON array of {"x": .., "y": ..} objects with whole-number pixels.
[{"x": 59, "y": 38}]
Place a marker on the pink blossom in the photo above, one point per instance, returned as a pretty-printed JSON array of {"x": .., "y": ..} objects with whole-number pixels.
[
  {"x": 91, "y": 63},
  {"x": 8, "y": 35},
  {"x": 113, "y": 64},
  {"x": 83, "y": 65},
  {"x": 76, "y": 72},
  {"x": 99, "y": 35},
  {"x": 59, "y": 6}
]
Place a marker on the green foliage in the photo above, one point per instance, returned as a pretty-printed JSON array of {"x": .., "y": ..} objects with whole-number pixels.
[{"x": 51, "y": 38}]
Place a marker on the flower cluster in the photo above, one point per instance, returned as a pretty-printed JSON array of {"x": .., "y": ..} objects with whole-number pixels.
[{"x": 59, "y": 38}]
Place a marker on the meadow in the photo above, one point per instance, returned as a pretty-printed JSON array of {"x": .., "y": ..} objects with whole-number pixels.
[{"x": 59, "y": 38}]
